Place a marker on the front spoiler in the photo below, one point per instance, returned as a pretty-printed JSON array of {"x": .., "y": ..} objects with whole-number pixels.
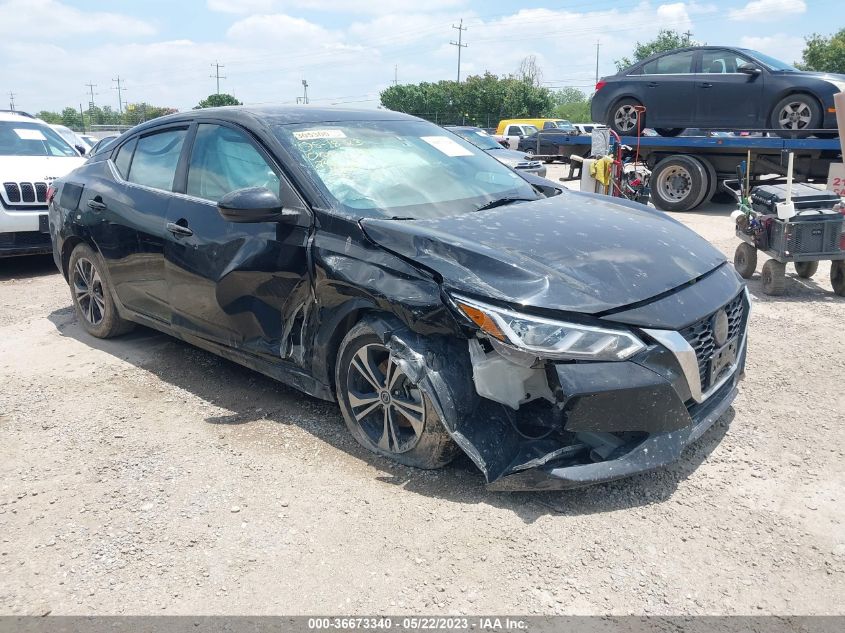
[{"x": 656, "y": 451}]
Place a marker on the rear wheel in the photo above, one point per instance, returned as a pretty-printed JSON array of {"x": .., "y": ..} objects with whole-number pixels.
[
  {"x": 384, "y": 411},
  {"x": 678, "y": 183},
  {"x": 805, "y": 270},
  {"x": 91, "y": 295},
  {"x": 669, "y": 131},
  {"x": 624, "y": 118},
  {"x": 837, "y": 277},
  {"x": 745, "y": 260},
  {"x": 795, "y": 114},
  {"x": 773, "y": 277}
]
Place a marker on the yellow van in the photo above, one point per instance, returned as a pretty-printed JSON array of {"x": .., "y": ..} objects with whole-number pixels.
[{"x": 540, "y": 124}]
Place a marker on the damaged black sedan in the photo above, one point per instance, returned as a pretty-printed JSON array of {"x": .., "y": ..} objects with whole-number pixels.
[{"x": 445, "y": 301}]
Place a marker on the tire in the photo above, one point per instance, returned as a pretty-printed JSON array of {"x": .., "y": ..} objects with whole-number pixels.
[
  {"x": 795, "y": 113},
  {"x": 678, "y": 183},
  {"x": 806, "y": 270},
  {"x": 669, "y": 131},
  {"x": 92, "y": 296},
  {"x": 530, "y": 151},
  {"x": 837, "y": 277},
  {"x": 745, "y": 260},
  {"x": 409, "y": 433},
  {"x": 622, "y": 119},
  {"x": 773, "y": 277},
  {"x": 712, "y": 180}
]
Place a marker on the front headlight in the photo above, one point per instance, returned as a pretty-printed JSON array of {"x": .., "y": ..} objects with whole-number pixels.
[{"x": 548, "y": 338}]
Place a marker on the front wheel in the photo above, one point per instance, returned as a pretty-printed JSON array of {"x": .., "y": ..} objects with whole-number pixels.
[
  {"x": 678, "y": 183},
  {"x": 792, "y": 116},
  {"x": 91, "y": 295},
  {"x": 806, "y": 270},
  {"x": 384, "y": 411},
  {"x": 837, "y": 277},
  {"x": 530, "y": 151},
  {"x": 773, "y": 277},
  {"x": 745, "y": 260}
]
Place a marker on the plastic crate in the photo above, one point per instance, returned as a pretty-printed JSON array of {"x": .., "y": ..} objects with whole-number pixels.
[{"x": 810, "y": 237}]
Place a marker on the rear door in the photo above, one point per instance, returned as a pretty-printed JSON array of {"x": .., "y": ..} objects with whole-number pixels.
[
  {"x": 667, "y": 89},
  {"x": 231, "y": 282},
  {"x": 126, "y": 218},
  {"x": 726, "y": 97}
]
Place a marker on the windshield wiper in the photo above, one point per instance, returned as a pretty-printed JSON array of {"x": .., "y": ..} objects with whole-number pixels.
[{"x": 499, "y": 202}]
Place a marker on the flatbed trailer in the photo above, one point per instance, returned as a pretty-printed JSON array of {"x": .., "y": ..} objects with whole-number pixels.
[{"x": 688, "y": 170}]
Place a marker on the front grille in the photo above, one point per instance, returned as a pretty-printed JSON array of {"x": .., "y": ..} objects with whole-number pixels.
[
  {"x": 23, "y": 239},
  {"x": 700, "y": 336},
  {"x": 25, "y": 192}
]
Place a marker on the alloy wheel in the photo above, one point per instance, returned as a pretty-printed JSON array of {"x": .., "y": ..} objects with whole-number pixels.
[
  {"x": 795, "y": 115},
  {"x": 88, "y": 291},
  {"x": 626, "y": 118},
  {"x": 387, "y": 407}
]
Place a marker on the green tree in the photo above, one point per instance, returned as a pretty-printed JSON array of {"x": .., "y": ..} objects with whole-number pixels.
[
  {"x": 824, "y": 54},
  {"x": 572, "y": 104},
  {"x": 49, "y": 117},
  {"x": 666, "y": 40},
  {"x": 71, "y": 118},
  {"x": 217, "y": 100}
]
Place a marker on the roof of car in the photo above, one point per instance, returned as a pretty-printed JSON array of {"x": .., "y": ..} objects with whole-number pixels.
[
  {"x": 283, "y": 115},
  {"x": 15, "y": 115}
]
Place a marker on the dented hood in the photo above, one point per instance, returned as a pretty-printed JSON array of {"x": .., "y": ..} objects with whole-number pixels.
[{"x": 577, "y": 252}]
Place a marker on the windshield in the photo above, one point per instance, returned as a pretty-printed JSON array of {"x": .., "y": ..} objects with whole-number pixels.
[
  {"x": 19, "y": 138},
  {"x": 479, "y": 138},
  {"x": 772, "y": 63},
  {"x": 400, "y": 169}
]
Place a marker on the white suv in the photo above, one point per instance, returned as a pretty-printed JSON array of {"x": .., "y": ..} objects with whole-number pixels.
[{"x": 32, "y": 156}]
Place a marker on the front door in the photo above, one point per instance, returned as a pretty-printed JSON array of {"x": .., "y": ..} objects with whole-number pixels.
[
  {"x": 231, "y": 282},
  {"x": 725, "y": 97}
]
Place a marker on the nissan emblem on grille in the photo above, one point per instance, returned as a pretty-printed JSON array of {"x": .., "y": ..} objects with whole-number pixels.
[{"x": 721, "y": 325}]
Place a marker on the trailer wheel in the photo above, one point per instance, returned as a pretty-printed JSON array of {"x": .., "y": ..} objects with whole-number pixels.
[
  {"x": 805, "y": 270},
  {"x": 837, "y": 277},
  {"x": 745, "y": 260},
  {"x": 773, "y": 277},
  {"x": 678, "y": 183}
]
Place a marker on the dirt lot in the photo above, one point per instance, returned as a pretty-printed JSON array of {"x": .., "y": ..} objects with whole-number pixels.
[{"x": 140, "y": 475}]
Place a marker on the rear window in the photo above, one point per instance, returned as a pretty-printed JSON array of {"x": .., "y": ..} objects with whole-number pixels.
[
  {"x": 674, "y": 64},
  {"x": 155, "y": 160},
  {"x": 124, "y": 157}
]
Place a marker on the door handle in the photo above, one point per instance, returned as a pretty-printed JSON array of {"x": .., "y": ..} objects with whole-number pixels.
[
  {"x": 178, "y": 229},
  {"x": 97, "y": 204},
  {"x": 706, "y": 84},
  {"x": 652, "y": 84}
]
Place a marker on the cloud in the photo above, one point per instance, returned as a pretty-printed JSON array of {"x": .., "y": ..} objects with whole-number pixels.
[
  {"x": 787, "y": 48},
  {"x": 768, "y": 10},
  {"x": 241, "y": 6},
  {"x": 40, "y": 19},
  {"x": 350, "y": 7},
  {"x": 676, "y": 14}
]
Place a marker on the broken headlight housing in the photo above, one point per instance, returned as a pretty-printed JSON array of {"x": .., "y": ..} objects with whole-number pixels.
[{"x": 549, "y": 338}]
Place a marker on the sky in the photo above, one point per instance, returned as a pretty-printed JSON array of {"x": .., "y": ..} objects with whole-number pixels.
[{"x": 349, "y": 50}]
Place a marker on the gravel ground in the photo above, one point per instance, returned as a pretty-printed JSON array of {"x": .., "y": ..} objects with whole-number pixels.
[{"x": 141, "y": 475}]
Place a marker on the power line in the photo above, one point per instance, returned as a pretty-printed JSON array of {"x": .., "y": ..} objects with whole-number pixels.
[
  {"x": 460, "y": 28},
  {"x": 120, "y": 90},
  {"x": 217, "y": 66}
]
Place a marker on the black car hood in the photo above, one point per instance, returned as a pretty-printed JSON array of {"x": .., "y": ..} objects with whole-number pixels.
[{"x": 578, "y": 252}]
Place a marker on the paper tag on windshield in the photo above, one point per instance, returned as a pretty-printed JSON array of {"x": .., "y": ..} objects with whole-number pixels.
[
  {"x": 446, "y": 145},
  {"x": 314, "y": 135},
  {"x": 29, "y": 134}
]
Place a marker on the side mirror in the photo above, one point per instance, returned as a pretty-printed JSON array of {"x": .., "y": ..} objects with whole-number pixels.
[
  {"x": 254, "y": 204},
  {"x": 80, "y": 149},
  {"x": 749, "y": 69}
]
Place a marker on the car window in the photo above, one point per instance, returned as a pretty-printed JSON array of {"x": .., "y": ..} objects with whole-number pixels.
[
  {"x": 528, "y": 130},
  {"x": 124, "y": 157},
  {"x": 224, "y": 160},
  {"x": 674, "y": 64},
  {"x": 721, "y": 62},
  {"x": 513, "y": 130},
  {"x": 24, "y": 138},
  {"x": 155, "y": 160}
]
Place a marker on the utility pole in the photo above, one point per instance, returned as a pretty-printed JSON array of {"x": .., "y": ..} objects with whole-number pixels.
[
  {"x": 687, "y": 36},
  {"x": 396, "y": 75},
  {"x": 305, "y": 92},
  {"x": 120, "y": 90},
  {"x": 460, "y": 28},
  {"x": 11, "y": 101},
  {"x": 598, "y": 46},
  {"x": 217, "y": 66},
  {"x": 82, "y": 118}
]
